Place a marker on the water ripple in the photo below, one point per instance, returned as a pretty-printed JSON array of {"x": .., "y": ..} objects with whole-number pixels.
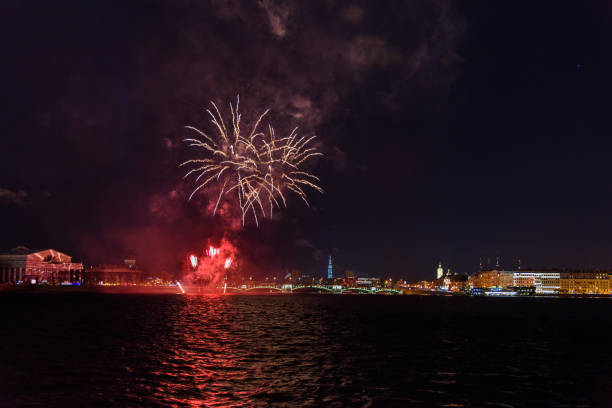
[{"x": 226, "y": 351}]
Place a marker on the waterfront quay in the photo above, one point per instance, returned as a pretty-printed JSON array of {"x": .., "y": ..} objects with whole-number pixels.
[
  {"x": 523, "y": 282},
  {"x": 25, "y": 268}
]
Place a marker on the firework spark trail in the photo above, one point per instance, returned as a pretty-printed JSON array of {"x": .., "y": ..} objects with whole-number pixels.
[
  {"x": 258, "y": 168},
  {"x": 180, "y": 287}
]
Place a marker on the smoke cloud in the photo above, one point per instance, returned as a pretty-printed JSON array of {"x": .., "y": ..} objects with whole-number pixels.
[{"x": 115, "y": 108}]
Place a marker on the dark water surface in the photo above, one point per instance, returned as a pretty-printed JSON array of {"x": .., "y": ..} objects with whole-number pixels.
[{"x": 65, "y": 349}]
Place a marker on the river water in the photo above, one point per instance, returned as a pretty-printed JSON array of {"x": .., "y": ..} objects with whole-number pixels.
[{"x": 84, "y": 349}]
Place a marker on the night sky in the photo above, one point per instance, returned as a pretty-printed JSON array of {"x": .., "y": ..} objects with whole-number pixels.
[{"x": 451, "y": 131}]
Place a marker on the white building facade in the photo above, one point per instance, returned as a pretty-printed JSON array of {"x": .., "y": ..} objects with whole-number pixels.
[
  {"x": 545, "y": 282},
  {"x": 23, "y": 265}
]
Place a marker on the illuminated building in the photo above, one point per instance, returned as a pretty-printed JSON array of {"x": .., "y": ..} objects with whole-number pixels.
[
  {"x": 126, "y": 274},
  {"x": 544, "y": 281},
  {"x": 523, "y": 279},
  {"x": 585, "y": 283},
  {"x": 439, "y": 271},
  {"x": 455, "y": 283},
  {"x": 330, "y": 269},
  {"x": 306, "y": 279},
  {"x": 23, "y": 265},
  {"x": 296, "y": 275},
  {"x": 492, "y": 279},
  {"x": 367, "y": 282},
  {"x": 547, "y": 282},
  {"x": 130, "y": 262},
  {"x": 350, "y": 278}
]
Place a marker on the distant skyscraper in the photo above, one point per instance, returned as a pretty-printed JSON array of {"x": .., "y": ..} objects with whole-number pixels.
[
  {"x": 440, "y": 271},
  {"x": 330, "y": 269}
]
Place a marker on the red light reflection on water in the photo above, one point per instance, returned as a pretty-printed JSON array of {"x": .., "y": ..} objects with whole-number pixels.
[{"x": 203, "y": 365}]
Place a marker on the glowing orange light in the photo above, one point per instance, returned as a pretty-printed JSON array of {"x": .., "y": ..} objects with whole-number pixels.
[
  {"x": 194, "y": 261},
  {"x": 228, "y": 262}
]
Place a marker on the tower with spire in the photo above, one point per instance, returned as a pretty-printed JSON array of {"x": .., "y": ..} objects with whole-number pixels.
[
  {"x": 440, "y": 271},
  {"x": 330, "y": 269}
]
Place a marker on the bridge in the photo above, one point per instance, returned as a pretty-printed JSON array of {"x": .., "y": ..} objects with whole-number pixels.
[{"x": 314, "y": 288}]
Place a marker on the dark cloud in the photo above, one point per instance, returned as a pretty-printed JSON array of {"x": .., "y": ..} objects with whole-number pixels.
[
  {"x": 366, "y": 52},
  {"x": 319, "y": 254},
  {"x": 353, "y": 13},
  {"x": 277, "y": 16},
  {"x": 13, "y": 197},
  {"x": 303, "y": 243},
  {"x": 298, "y": 58}
]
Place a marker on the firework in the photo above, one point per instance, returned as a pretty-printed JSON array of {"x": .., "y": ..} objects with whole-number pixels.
[
  {"x": 212, "y": 251},
  {"x": 256, "y": 168},
  {"x": 213, "y": 265},
  {"x": 180, "y": 287},
  {"x": 194, "y": 261}
]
